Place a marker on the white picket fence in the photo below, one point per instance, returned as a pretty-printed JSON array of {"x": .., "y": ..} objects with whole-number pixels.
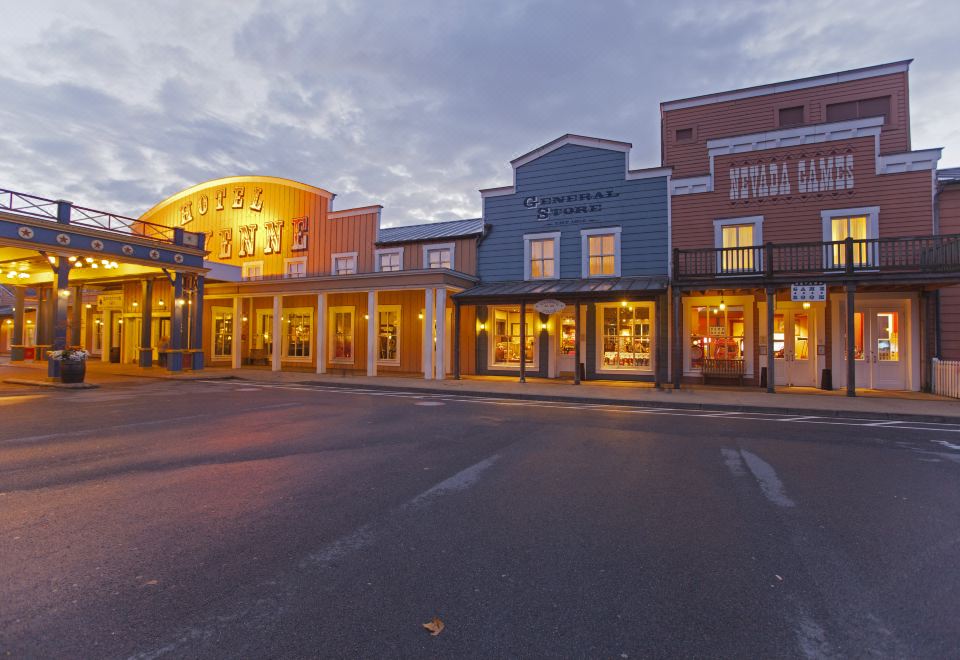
[{"x": 946, "y": 377}]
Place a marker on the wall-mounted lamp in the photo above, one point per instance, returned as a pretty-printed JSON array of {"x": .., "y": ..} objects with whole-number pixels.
[
  {"x": 244, "y": 319},
  {"x": 482, "y": 326},
  {"x": 723, "y": 305},
  {"x": 420, "y": 316},
  {"x": 623, "y": 304},
  {"x": 366, "y": 316},
  {"x": 543, "y": 326},
  {"x": 180, "y": 302},
  {"x": 806, "y": 305},
  {"x": 136, "y": 304},
  {"x": 88, "y": 306},
  {"x": 63, "y": 293},
  {"x": 161, "y": 303}
]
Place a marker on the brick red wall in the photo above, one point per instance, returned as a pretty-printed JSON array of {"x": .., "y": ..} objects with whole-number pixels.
[
  {"x": 761, "y": 113},
  {"x": 949, "y": 201}
]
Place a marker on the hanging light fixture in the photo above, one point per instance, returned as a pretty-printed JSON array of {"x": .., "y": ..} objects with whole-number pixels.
[{"x": 723, "y": 305}]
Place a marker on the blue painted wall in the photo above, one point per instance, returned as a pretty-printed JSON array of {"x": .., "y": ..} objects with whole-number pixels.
[{"x": 639, "y": 208}]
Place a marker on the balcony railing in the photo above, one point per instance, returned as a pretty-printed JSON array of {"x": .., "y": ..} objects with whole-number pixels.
[
  {"x": 50, "y": 209},
  {"x": 913, "y": 254}
]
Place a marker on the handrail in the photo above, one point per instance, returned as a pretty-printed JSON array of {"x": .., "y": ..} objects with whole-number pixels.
[
  {"x": 47, "y": 209},
  {"x": 924, "y": 254}
]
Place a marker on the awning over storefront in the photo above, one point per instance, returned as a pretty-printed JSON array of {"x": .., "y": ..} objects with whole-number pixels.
[{"x": 611, "y": 288}]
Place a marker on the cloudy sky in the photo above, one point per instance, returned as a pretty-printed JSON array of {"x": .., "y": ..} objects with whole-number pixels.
[{"x": 414, "y": 105}]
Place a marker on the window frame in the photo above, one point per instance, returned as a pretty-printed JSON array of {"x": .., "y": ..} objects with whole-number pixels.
[
  {"x": 343, "y": 255},
  {"x": 332, "y": 334},
  {"x": 690, "y": 140},
  {"x": 438, "y": 246},
  {"x": 803, "y": 115},
  {"x": 284, "y": 323},
  {"x": 528, "y": 265},
  {"x": 387, "y": 251},
  {"x": 492, "y": 364},
  {"x": 294, "y": 260},
  {"x": 651, "y": 356},
  {"x": 872, "y": 214},
  {"x": 585, "y": 235},
  {"x": 718, "y": 227},
  {"x": 395, "y": 362},
  {"x": 245, "y": 268}
]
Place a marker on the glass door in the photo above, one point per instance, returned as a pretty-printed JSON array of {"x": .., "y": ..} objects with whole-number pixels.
[
  {"x": 792, "y": 343},
  {"x": 568, "y": 342},
  {"x": 886, "y": 360}
]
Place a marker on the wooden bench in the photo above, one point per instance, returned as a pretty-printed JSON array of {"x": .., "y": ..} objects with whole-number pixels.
[{"x": 723, "y": 369}]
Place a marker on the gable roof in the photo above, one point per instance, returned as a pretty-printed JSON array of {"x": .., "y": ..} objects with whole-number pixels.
[{"x": 430, "y": 231}]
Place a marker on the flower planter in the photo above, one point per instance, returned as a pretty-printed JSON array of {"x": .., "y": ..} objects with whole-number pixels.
[{"x": 73, "y": 371}]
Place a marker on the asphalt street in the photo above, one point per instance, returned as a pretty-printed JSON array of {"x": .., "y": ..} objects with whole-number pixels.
[{"x": 236, "y": 520}]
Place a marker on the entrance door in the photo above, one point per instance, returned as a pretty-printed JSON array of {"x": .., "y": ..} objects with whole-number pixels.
[
  {"x": 116, "y": 336},
  {"x": 567, "y": 346},
  {"x": 96, "y": 342},
  {"x": 878, "y": 335},
  {"x": 793, "y": 337},
  {"x": 262, "y": 347}
]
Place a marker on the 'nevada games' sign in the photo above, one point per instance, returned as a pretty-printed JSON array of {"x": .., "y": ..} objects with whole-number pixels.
[{"x": 807, "y": 175}]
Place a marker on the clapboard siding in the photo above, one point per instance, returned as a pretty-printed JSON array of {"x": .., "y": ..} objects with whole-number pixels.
[
  {"x": 464, "y": 254},
  {"x": 411, "y": 331},
  {"x": 905, "y": 200},
  {"x": 949, "y": 218},
  {"x": 640, "y": 209},
  {"x": 761, "y": 113}
]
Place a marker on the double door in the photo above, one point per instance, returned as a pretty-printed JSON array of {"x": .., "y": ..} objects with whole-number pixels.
[
  {"x": 879, "y": 336},
  {"x": 794, "y": 347}
]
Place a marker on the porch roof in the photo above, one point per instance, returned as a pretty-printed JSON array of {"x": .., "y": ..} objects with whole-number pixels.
[{"x": 607, "y": 288}]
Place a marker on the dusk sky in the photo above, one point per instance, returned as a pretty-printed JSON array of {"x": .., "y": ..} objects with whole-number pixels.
[{"x": 414, "y": 105}]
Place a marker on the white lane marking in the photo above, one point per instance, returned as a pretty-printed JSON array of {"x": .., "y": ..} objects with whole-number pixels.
[
  {"x": 429, "y": 403},
  {"x": 767, "y": 477},
  {"x": 460, "y": 481},
  {"x": 681, "y": 412},
  {"x": 812, "y": 638},
  {"x": 735, "y": 464},
  {"x": 948, "y": 445}
]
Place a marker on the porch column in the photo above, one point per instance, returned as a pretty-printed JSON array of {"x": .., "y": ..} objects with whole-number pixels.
[
  {"x": 851, "y": 341},
  {"x": 456, "y": 339},
  {"x": 196, "y": 337},
  {"x": 678, "y": 341},
  {"x": 16, "y": 346},
  {"x": 60, "y": 302},
  {"x": 523, "y": 341},
  {"x": 175, "y": 356},
  {"x": 441, "y": 313},
  {"x": 771, "y": 304},
  {"x": 428, "y": 334},
  {"x": 372, "y": 326},
  {"x": 76, "y": 318},
  {"x": 276, "y": 330},
  {"x": 321, "y": 333},
  {"x": 236, "y": 343},
  {"x": 659, "y": 368},
  {"x": 146, "y": 324},
  {"x": 576, "y": 346}
]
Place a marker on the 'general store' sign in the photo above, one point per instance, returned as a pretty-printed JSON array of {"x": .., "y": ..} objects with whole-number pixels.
[{"x": 781, "y": 179}]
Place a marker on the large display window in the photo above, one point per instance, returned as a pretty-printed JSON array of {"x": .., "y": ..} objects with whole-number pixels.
[
  {"x": 222, "y": 332},
  {"x": 716, "y": 333},
  {"x": 388, "y": 334},
  {"x": 626, "y": 336},
  {"x": 505, "y": 337},
  {"x": 299, "y": 333},
  {"x": 341, "y": 334}
]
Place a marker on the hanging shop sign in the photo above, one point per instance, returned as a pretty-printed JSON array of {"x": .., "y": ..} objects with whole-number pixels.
[
  {"x": 808, "y": 292},
  {"x": 549, "y": 306}
]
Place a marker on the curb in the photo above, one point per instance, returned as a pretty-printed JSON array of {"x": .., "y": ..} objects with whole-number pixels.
[
  {"x": 47, "y": 383},
  {"x": 722, "y": 407}
]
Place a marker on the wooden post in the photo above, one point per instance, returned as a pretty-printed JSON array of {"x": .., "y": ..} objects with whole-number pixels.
[
  {"x": 851, "y": 340},
  {"x": 236, "y": 343},
  {"x": 321, "y": 333},
  {"x": 428, "y": 334},
  {"x": 678, "y": 340},
  {"x": 456, "y": 339},
  {"x": 440, "y": 311},
  {"x": 771, "y": 304},
  {"x": 146, "y": 323},
  {"x": 276, "y": 334},
  {"x": 576, "y": 349},
  {"x": 16, "y": 347},
  {"x": 523, "y": 342},
  {"x": 372, "y": 333}
]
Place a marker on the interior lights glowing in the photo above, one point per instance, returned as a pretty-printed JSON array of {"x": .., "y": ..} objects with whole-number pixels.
[
  {"x": 78, "y": 264},
  {"x": 23, "y": 275},
  {"x": 89, "y": 260},
  {"x": 136, "y": 304},
  {"x": 52, "y": 260},
  {"x": 244, "y": 319},
  {"x": 160, "y": 302},
  {"x": 94, "y": 265},
  {"x": 64, "y": 293},
  {"x": 420, "y": 316},
  {"x": 180, "y": 302},
  {"x": 366, "y": 316},
  {"x": 623, "y": 304},
  {"x": 806, "y": 305},
  {"x": 12, "y": 273},
  {"x": 71, "y": 259},
  {"x": 88, "y": 306}
]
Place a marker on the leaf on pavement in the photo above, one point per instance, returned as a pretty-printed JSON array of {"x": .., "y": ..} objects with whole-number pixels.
[{"x": 435, "y": 627}]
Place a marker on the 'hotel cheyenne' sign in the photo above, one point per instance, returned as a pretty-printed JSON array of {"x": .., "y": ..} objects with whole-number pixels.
[{"x": 808, "y": 175}]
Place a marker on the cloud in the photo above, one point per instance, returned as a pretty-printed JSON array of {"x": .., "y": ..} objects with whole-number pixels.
[{"x": 414, "y": 105}]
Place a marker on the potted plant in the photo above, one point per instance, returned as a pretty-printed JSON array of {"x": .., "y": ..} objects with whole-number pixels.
[{"x": 73, "y": 364}]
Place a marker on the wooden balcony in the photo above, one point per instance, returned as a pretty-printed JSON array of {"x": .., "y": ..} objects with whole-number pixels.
[{"x": 912, "y": 258}]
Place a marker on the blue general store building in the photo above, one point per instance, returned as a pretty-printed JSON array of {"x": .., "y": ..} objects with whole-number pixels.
[{"x": 573, "y": 267}]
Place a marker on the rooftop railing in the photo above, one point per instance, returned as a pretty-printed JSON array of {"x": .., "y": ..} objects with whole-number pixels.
[
  {"x": 911, "y": 254},
  {"x": 53, "y": 210}
]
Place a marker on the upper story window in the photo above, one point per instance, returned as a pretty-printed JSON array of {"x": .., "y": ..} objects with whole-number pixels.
[
  {"x": 295, "y": 267},
  {"x": 344, "y": 263},
  {"x": 860, "y": 224},
  {"x": 540, "y": 254},
  {"x": 875, "y": 107},
  {"x": 791, "y": 116},
  {"x": 738, "y": 240},
  {"x": 389, "y": 260},
  {"x": 438, "y": 256},
  {"x": 252, "y": 270},
  {"x": 684, "y": 135},
  {"x": 600, "y": 252}
]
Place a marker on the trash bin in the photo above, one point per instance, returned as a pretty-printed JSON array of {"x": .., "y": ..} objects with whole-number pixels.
[{"x": 115, "y": 354}]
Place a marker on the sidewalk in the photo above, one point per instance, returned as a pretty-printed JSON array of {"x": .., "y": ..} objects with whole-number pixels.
[{"x": 914, "y": 406}]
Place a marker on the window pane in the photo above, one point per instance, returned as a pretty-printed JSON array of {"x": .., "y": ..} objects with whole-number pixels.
[
  {"x": 536, "y": 269},
  {"x": 842, "y": 111},
  {"x": 608, "y": 244},
  {"x": 888, "y": 337},
  {"x": 876, "y": 107},
  {"x": 791, "y": 116},
  {"x": 536, "y": 249},
  {"x": 801, "y": 336},
  {"x": 548, "y": 267},
  {"x": 389, "y": 327},
  {"x": 594, "y": 244},
  {"x": 626, "y": 337}
]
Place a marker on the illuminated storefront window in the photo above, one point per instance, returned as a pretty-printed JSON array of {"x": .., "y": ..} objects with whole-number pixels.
[
  {"x": 854, "y": 227},
  {"x": 602, "y": 254},
  {"x": 737, "y": 255},
  {"x": 222, "y": 332},
  {"x": 341, "y": 330},
  {"x": 506, "y": 336},
  {"x": 298, "y": 329},
  {"x": 388, "y": 331},
  {"x": 541, "y": 259},
  {"x": 626, "y": 335},
  {"x": 716, "y": 334},
  {"x": 888, "y": 337}
]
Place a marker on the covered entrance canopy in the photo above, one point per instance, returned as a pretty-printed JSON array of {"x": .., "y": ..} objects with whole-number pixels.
[{"x": 53, "y": 251}]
